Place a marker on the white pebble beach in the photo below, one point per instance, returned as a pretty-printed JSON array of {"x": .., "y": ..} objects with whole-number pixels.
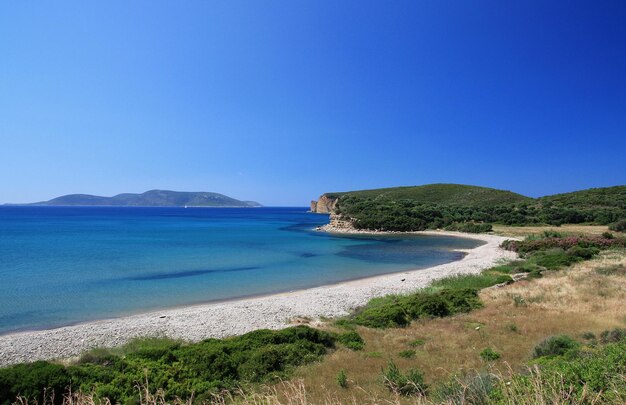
[{"x": 217, "y": 320}]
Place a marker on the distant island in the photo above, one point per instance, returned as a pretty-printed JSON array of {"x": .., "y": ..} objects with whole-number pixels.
[{"x": 152, "y": 198}]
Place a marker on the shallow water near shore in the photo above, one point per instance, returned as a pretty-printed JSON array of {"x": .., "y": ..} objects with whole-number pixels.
[{"x": 63, "y": 265}]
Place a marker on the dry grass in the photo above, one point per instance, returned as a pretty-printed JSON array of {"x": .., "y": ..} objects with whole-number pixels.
[
  {"x": 522, "y": 231},
  {"x": 542, "y": 392},
  {"x": 515, "y": 318},
  {"x": 284, "y": 393}
]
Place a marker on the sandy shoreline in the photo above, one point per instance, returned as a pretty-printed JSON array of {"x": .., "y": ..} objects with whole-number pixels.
[{"x": 229, "y": 318}]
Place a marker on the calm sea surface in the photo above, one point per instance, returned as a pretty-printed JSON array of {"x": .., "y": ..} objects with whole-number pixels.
[{"x": 62, "y": 265}]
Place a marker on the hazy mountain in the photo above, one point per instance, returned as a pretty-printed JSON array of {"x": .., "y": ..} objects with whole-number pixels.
[{"x": 153, "y": 198}]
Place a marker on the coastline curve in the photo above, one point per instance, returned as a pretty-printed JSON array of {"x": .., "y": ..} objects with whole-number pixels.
[{"x": 216, "y": 320}]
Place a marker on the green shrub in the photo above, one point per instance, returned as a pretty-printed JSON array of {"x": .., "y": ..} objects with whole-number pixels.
[
  {"x": 345, "y": 324},
  {"x": 613, "y": 336},
  {"x": 461, "y": 300},
  {"x": 152, "y": 348},
  {"x": 584, "y": 253},
  {"x": 472, "y": 281},
  {"x": 553, "y": 259},
  {"x": 469, "y": 389},
  {"x": 534, "y": 274},
  {"x": 385, "y": 312},
  {"x": 270, "y": 361},
  {"x": 469, "y": 227},
  {"x": 607, "y": 235},
  {"x": 589, "y": 336},
  {"x": 99, "y": 356},
  {"x": 407, "y": 354},
  {"x": 417, "y": 342},
  {"x": 399, "y": 310},
  {"x": 619, "y": 226},
  {"x": 426, "y": 306},
  {"x": 488, "y": 354},
  {"x": 352, "y": 340},
  {"x": 519, "y": 266},
  {"x": 342, "y": 379},
  {"x": 409, "y": 383},
  {"x": 180, "y": 370},
  {"x": 555, "y": 346},
  {"x": 552, "y": 234},
  {"x": 38, "y": 382},
  {"x": 596, "y": 377},
  {"x": 513, "y": 267},
  {"x": 454, "y": 301}
]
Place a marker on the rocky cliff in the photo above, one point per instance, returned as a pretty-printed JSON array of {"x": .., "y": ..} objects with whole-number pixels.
[
  {"x": 339, "y": 224},
  {"x": 324, "y": 205}
]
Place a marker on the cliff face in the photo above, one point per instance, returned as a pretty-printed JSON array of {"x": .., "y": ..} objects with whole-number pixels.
[{"x": 324, "y": 205}]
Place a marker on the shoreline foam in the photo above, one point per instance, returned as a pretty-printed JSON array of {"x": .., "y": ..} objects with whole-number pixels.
[{"x": 218, "y": 320}]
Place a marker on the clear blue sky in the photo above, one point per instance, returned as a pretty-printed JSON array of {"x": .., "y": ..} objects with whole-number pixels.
[{"x": 280, "y": 101}]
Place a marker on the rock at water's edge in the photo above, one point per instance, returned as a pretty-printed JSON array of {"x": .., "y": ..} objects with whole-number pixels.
[{"x": 324, "y": 205}]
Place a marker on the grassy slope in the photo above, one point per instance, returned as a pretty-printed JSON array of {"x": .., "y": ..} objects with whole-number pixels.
[
  {"x": 448, "y": 205},
  {"x": 523, "y": 231},
  {"x": 593, "y": 197},
  {"x": 459, "y": 194},
  {"x": 456, "y": 194},
  {"x": 514, "y": 319}
]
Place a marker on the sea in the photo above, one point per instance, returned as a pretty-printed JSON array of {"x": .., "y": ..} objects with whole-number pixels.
[{"x": 65, "y": 265}]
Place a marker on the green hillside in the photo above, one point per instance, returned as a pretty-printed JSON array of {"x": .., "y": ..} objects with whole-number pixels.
[
  {"x": 473, "y": 209},
  {"x": 449, "y": 194},
  {"x": 593, "y": 197}
]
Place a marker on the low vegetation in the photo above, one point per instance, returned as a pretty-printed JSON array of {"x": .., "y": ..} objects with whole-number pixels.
[
  {"x": 619, "y": 226},
  {"x": 351, "y": 340},
  {"x": 488, "y": 354},
  {"x": 448, "y": 194},
  {"x": 592, "y": 243},
  {"x": 399, "y": 310},
  {"x": 575, "y": 375},
  {"x": 180, "y": 370},
  {"x": 409, "y": 382},
  {"x": 342, "y": 379},
  {"x": 469, "y": 227},
  {"x": 522, "y": 345},
  {"x": 556, "y": 346}
]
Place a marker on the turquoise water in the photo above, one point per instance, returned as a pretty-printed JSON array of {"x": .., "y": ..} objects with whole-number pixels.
[{"x": 63, "y": 265}]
